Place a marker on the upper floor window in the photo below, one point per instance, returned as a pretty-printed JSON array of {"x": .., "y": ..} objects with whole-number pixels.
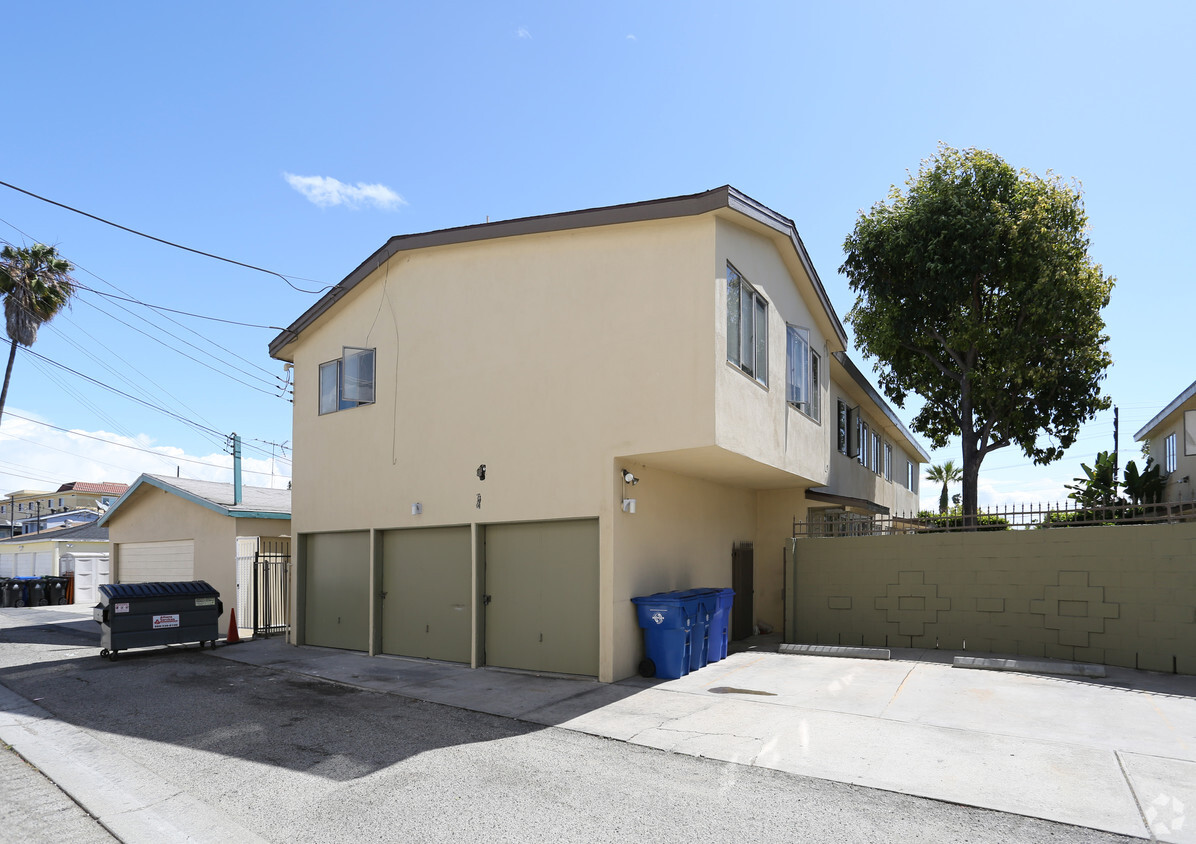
[
  {"x": 747, "y": 327},
  {"x": 911, "y": 476},
  {"x": 1170, "y": 461},
  {"x": 888, "y": 462},
  {"x": 347, "y": 381},
  {"x": 841, "y": 414}
]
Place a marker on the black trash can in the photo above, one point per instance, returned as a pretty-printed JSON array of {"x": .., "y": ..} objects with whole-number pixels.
[
  {"x": 138, "y": 615},
  {"x": 55, "y": 590},
  {"x": 35, "y": 592},
  {"x": 11, "y": 593}
]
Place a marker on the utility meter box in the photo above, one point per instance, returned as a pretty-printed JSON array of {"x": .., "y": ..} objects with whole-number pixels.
[{"x": 140, "y": 615}]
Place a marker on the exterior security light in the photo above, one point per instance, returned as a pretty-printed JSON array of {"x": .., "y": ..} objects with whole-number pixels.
[{"x": 629, "y": 478}]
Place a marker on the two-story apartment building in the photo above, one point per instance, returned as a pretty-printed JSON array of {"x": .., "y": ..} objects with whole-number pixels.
[
  {"x": 532, "y": 421},
  {"x": 1171, "y": 436}
]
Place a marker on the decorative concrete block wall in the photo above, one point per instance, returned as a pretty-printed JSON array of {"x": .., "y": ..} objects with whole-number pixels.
[{"x": 1118, "y": 595}]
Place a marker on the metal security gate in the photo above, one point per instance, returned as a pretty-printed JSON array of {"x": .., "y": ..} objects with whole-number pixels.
[{"x": 271, "y": 588}]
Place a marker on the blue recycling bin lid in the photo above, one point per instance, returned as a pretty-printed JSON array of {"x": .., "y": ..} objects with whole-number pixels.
[{"x": 663, "y": 611}]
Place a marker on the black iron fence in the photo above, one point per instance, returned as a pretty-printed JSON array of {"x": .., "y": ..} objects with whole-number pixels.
[
  {"x": 840, "y": 523},
  {"x": 271, "y": 589}
]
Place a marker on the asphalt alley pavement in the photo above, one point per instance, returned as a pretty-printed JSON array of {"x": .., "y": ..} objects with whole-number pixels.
[{"x": 1116, "y": 754}]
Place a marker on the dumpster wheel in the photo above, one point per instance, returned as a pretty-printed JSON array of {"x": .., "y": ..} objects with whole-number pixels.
[
  {"x": 103, "y": 653},
  {"x": 647, "y": 668},
  {"x": 111, "y": 655}
]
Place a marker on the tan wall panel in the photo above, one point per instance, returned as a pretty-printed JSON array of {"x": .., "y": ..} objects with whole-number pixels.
[
  {"x": 542, "y": 578},
  {"x": 336, "y": 587},
  {"x": 150, "y": 562},
  {"x": 1121, "y": 595},
  {"x": 426, "y": 579}
]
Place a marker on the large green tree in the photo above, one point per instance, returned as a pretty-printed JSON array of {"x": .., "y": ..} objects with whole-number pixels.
[
  {"x": 36, "y": 284},
  {"x": 975, "y": 291}
]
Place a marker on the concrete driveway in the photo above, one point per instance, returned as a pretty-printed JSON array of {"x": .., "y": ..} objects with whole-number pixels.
[{"x": 1115, "y": 754}]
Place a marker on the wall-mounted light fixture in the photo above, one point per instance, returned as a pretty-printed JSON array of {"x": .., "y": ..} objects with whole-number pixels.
[
  {"x": 628, "y": 505},
  {"x": 482, "y": 472},
  {"x": 417, "y": 508},
  {"x": 629, "y": 478}
]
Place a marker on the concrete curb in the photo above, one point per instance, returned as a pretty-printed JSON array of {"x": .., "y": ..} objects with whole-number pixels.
[
  {"x": 129, "y": 800},
  {"x": 835, "y": 650},
  {"x": 1029, "y": 666}
]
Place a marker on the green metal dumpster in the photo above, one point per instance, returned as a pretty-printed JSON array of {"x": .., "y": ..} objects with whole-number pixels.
[{"x": 139, "y": 615}]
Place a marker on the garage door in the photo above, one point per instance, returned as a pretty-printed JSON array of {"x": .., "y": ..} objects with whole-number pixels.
[
  {"x": 426, "y": 584},
  {"x": 542, "y": 588},
  {"x": 336, "y": 610},
  {"x": 149, "y": 562}
]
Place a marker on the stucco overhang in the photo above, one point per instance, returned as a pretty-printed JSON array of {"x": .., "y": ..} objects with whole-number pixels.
[
  {"x": 257, "y": 503},
  {"x": 864, "y": 504},
  {"x": 1175, "y": 405},
  {"x": 723, "y": 198},
  {"x": 712, "y": 463}
]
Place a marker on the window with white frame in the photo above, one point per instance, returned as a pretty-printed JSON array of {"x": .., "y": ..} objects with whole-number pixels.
[
  {"x": 862, "y": 428},
  {"x": 815, "y": 410},
  {"x": 347, "y": 381},
  {"x": 841, "y": 414},
  {"x": 1170, "y": 460},
  {"x": 888, "y": 462},
  {"x": 747, "y": 327},
  {"x": 875, "y": 452},
  {"x": 911, "y": 476}
]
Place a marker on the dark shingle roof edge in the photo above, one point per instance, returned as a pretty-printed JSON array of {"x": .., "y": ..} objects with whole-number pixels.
[
  {"x": 653, "y": 209},
  {"x": 1166, "y": 411}
]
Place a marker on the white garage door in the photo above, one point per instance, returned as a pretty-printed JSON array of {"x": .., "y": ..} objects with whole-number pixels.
[{"x": 149, "y": 562}]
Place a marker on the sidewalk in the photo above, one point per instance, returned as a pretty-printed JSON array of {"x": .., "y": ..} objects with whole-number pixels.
[{"x": 1117, "y": 754}]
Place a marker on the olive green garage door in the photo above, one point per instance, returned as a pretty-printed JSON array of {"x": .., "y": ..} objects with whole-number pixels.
[
  {"x": 336, "y": 611},
  {"x": 542, "y": 588},
  {"x": 427, "y": 593}
]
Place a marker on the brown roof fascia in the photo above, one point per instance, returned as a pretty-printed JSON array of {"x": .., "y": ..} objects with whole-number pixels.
[{"x": 653, "y": 209}]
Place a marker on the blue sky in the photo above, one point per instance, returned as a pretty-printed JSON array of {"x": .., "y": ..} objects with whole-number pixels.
[{"x": 185, "y": 121}]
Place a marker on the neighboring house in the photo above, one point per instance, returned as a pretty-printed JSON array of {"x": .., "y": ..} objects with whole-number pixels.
[
  {"x": 65, "y": 518},
  {"x": 529, "y": 422},
  {"x": 81, "y": 550},
  {"x": 1171, "y": 437},
  {"x": 170, "y": 529},
  {"x": 31, "y": 510}
]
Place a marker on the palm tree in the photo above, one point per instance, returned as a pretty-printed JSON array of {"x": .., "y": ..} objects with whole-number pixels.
[
  {"x": 948, "y": 473},
  {"x": 36, "y": 284}
]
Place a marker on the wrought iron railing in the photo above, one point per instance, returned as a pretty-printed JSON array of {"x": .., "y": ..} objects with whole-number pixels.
[{"x": 841, "y": 523}]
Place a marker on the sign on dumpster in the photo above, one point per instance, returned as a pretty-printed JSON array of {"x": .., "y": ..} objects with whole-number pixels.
[{"x": 161, "y": 621}]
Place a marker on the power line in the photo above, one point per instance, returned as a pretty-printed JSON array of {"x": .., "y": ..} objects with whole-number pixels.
[
  {"x": 166, "y": 309},
  {"x": 110, "y": 388},
  {"x": 167, "y": 242},
  {"x": 167, "y": 457}
]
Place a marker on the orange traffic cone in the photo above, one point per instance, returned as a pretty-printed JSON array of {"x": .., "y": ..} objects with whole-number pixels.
[{"x": 233, "y": 635}]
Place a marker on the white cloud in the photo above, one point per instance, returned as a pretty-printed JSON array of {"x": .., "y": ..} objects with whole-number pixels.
[
  {"x": 630, "y": 37},
  {"x": 326, "y": 191},
  {"x": 522, "y": 32},
  {"x": 33, "y": 456}
]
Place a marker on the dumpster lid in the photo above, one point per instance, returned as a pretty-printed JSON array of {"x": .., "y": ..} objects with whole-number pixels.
[{"x": 163, "y": 589}]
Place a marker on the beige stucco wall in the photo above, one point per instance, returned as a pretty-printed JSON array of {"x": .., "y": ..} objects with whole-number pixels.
[
  {"x": 154, "y": 515},
  {"x": 557, "y": 359},
  {"x": 1185, "y": 465},
  {"x": 753, "y": 421},
  {"x": 1119, "y": 595},
  {"x": 680, "y": 537}
]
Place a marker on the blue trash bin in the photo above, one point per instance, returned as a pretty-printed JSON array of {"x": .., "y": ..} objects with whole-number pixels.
[
  {"x": 720, "y": 624},
  {"x": 668, "y": 622},
  {"x": 702, "y": 604},
  {"x": 34, "y": 592}
]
